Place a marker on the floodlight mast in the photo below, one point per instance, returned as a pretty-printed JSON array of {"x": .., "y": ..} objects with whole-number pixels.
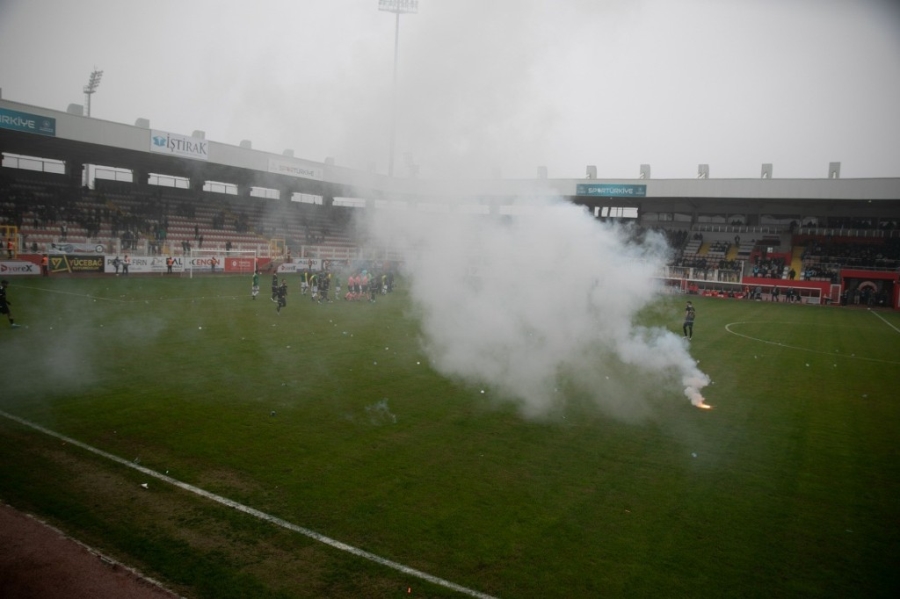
[
  {"x": 91, "y": 87},
  {"x": 398, "y": 7}
]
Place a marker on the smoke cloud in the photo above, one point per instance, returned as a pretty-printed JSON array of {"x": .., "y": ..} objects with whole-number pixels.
[{"x": 543, "y": 300}]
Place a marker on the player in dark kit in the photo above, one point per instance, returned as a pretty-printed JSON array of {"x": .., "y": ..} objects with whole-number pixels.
[
  {"x": 324, "y": 282},
  {"x": 275, "y": 287},
  {"x": 282, "y": 296},
  {"x": 4, "y": 304},
  {"x": 688, "y": 326},
  {"x": 373, "y": 288}
]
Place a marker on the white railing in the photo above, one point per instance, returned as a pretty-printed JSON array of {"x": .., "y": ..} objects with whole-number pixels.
[
  {"x": 710, "y": 228},
  {"x": 692, "y": 273},
  {"x": 841, "y": 232}
]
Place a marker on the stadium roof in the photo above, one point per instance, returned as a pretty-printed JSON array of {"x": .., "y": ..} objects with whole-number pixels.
[{"x": 73, "y": 138}]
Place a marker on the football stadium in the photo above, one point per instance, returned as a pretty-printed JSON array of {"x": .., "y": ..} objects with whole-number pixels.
[{"x": 229, "y": 372}]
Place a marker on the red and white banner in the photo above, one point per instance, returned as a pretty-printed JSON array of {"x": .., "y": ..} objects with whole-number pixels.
[{"x": 240, "y": 264}]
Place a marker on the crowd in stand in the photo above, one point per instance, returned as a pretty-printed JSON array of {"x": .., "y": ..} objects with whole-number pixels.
[
  {"x": 64, "y": 208},
  {"x": 860, "y": 223},
  {"x": 675, "y": 238},
  {"x": 885, "y": 255},
  {"x": 134, "y": 215},
  {"x": 719, "y": 247},
  {"x": 218, "y": 220},
  {"x": 61, "y": 210},
  {"x": 819, "y": 272},
  {"x": 768, "y": 268}
]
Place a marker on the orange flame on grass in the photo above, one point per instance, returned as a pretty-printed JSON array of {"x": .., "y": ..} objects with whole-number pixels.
[{"x": 696, "y": 398}]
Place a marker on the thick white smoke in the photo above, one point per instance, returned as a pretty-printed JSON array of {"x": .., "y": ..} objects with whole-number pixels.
[{"x": 530, "y": 303}]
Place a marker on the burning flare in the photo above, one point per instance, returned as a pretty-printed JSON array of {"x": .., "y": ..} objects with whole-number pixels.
[{"x": 693, "y": 384}]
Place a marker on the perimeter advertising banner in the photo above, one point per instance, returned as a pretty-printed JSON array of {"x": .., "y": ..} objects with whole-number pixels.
[
  {"x": 141, "y": 264},
  {"x": 29, "y": 123},
  {"x": 19, "y": 267},
  {"x": 311, "y": 264},
  {"x": 76, "y": 248},
  {"x": 610, "y": 190},
  {"x": 204, "y": 263},
  {"x": 162, "y": 142},
  {"x": 240, "y": 264},
  {"x": 75, "y": 263},
  {"x": 295, "y": 168}
]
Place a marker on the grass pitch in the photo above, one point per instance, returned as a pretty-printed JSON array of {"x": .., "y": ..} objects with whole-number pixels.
[{"x": 330, "y": 417}]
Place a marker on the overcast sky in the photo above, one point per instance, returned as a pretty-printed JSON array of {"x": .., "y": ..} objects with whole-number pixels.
[{"x": 487, "y": 85}]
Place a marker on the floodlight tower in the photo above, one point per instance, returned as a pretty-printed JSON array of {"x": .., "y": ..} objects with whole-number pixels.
[
  {"x": 398, "y": 7},
  {"x": 91, "y": 87}
]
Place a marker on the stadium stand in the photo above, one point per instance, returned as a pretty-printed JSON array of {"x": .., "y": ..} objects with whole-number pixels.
[{"x": 164, "y": 220}]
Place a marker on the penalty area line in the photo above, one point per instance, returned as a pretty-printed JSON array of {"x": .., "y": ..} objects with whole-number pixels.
[
  {"x": 254, "y": 512},
  {"x": 804, "y": 349},
  {"x": 883, "y": 319}
]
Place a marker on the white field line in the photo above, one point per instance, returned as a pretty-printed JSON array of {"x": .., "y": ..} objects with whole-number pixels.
[
  {"x": 806, "y": 349},
  {"x": 256, "y": 513},
  {"x": 880, "y": 317}
]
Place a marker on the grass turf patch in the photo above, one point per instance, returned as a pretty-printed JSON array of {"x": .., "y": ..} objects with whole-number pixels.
[{"x": 785, "y": 486}]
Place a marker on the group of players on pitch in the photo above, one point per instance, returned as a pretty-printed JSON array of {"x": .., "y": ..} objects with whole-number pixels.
[{"x": 360, "y": 285}]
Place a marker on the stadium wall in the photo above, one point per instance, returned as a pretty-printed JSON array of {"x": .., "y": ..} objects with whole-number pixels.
[{"x": 767, "y": 284}]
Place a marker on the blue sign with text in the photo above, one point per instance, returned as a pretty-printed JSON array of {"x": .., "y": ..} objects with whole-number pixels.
[
  {"x": 30, "y": 123},
  {"x": 611, "y": 190}
]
